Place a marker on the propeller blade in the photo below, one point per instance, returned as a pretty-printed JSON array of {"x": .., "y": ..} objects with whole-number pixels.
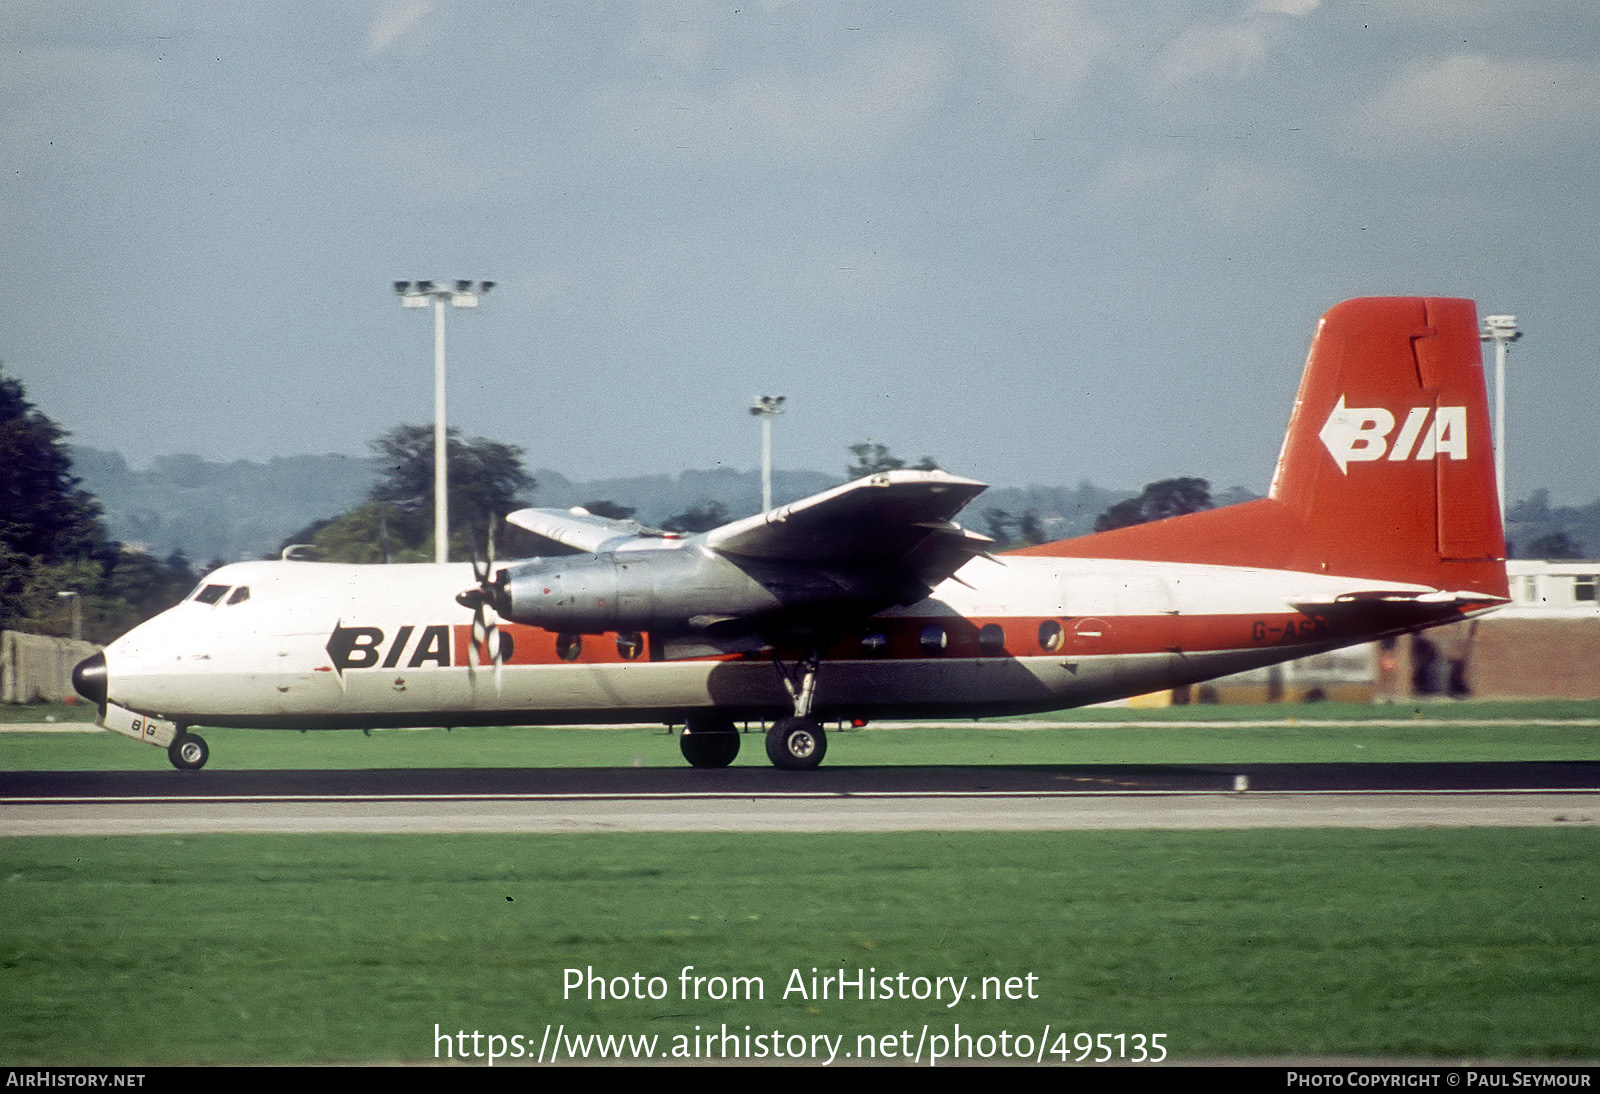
[{"x": 485, "y": 634}]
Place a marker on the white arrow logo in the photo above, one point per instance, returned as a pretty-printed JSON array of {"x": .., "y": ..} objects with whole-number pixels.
[{"x": 1356, "y": 434}]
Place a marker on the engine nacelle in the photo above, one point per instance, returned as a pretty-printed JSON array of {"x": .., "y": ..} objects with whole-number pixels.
[{"x": 672, "y": 592}]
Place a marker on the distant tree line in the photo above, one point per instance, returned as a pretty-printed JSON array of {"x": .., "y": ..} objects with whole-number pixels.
[
  {"x": 1536, "y": 529},
  {"x": 52, "y": 541},
  {"x": 1157, "y": 501},
  {"x": 395, "y": 522}
]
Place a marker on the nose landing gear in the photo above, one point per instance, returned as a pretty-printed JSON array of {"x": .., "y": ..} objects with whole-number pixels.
[{"x": 188, "y": 751}]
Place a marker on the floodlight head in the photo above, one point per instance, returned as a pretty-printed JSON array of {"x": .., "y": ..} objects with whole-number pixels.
[
  {"x": 461, "y": 292},
  {"x": 768, "y": 405},
  {"x": 1501, "y": 328}
]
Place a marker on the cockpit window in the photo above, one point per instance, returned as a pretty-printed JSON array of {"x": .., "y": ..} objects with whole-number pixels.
[
  {"x": 240, "y": 595},
  {"x": 210, "y": 594}
]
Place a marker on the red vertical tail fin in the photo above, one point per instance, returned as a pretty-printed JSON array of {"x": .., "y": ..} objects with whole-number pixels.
[
  {"x": 1388, "y": 462},
  {"x": 1387, "y": 470}
]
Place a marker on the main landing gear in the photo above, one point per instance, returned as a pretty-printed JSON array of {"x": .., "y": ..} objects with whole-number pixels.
[
  {"x": 709, "y": 740},
  {"x": 797, "y": 743},
  {"x": 188, "y": 751}
]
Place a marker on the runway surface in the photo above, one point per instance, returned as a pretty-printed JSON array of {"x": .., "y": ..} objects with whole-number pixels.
[{"x": 831, "y": 799}]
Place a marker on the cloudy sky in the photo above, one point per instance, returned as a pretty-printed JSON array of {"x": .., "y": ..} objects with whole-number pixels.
[{"x": 1039, "y": 241}]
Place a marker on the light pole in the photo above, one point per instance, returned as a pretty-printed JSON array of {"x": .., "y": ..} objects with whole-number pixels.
[
  {"x": 766, "y": 407},
  {"x": 1502, "y": 331},
  {"x": 77, "y": 612},
  {"x": 459, "y": 294}
]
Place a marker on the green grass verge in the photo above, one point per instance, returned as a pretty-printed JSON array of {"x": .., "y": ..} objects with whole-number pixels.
[
  {"x": 14, "y": 713},
  {"x": 1279, "y": 734},
  {"x": 257, "y": 949}
]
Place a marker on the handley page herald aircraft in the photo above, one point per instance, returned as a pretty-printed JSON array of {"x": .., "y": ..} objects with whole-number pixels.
[{"x": 868, "y": 601}]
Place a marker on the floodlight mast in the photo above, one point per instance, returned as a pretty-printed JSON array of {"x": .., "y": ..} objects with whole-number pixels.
[
  {"x": 766, "y": 407},
  {"x": 1502, "y": 331},
  {"x": 460, "y": 294},
  {"x": 77, "y": 612}
]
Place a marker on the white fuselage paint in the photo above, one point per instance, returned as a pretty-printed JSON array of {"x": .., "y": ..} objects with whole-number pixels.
[{"x": 265, "y": 660}]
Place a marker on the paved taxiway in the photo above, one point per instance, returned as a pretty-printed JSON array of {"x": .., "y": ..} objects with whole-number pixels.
[{"x": 833, "y": 799}]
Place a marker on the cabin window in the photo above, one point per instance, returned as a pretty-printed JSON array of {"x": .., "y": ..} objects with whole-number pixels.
[
  {"x": 569, "y": 646},
  {"x": 240, "y": 595},
  {"x": 210, "y": 594},
  {"x": 933, "y": 639},
  {"x": 992, "y": 639},
  {"x": 1050, "y": 635},
  {"x": 630, "y": 645},
  {"x": 875, "y": 643},
  {"x": 1583, "y": 587}
]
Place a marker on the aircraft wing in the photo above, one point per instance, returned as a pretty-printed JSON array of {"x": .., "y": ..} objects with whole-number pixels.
[
  {"x": 897, "y": 517},
  {"x": 577, "y": 527},
  {"x": 795, "y": 570}
]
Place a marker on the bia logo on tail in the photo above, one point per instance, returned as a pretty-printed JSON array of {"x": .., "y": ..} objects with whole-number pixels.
[{"x": 1358, "y": 434}]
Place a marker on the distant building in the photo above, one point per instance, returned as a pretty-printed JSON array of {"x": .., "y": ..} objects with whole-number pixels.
[{"x": 1546, "y": 642}]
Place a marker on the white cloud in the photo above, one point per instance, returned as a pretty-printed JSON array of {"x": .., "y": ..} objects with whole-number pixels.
[
  {"x": 394, "y": 19},
  {"x": 1231, "y": 49},
  {"x": 1472, "y": 102},
  {"x": 1050, "y": 47},
  {"x": 1132, "y": 179},
  {"x": 1246, "y": 193},
  {"x": 1286, "y": 7},
  {"x": 1456, "y": 15},
  {"x": 853, "y": 110},
  {"x": 1230, "y": 192}
]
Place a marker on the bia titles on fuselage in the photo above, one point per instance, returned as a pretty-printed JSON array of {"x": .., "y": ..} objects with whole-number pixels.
[{"x": 869, "y": 601}]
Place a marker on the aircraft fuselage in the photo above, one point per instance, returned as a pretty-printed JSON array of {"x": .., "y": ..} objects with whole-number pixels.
[{"x": 314, "y": 645}]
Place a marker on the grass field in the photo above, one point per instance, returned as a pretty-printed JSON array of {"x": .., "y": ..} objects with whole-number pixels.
[
  {"x": 1288, "y": 733},
  {"x": 1285, "y": 944}
]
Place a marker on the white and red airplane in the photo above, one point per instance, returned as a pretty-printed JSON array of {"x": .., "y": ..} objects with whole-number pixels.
[{"x": 867, "y": 601}]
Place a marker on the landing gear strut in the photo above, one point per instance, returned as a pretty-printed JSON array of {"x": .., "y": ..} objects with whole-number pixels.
[
  {"x": 188, "y": 751},
  {"x": 709, "y": 740},
  {"x": 798, "y": 743}
]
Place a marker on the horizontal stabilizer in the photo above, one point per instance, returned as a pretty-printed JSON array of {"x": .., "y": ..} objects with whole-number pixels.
[{"x": 1431, "y": 598}]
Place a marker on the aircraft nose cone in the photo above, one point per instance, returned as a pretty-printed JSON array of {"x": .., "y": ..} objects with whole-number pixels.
[{"x": 89, "y": 678}]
